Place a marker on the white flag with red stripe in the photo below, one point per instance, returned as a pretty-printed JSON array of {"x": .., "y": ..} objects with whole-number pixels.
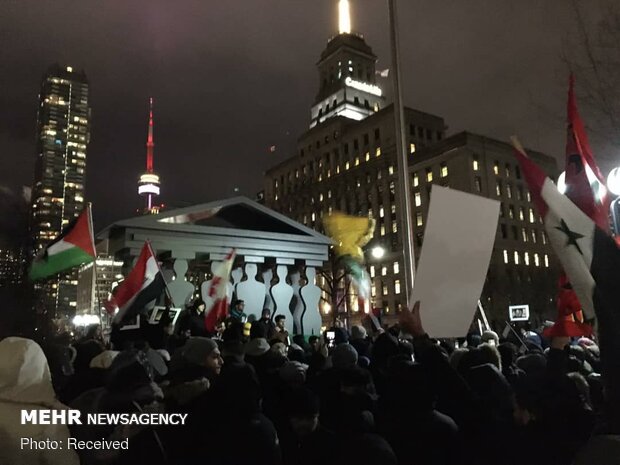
[{"x": 217, "y": 294}]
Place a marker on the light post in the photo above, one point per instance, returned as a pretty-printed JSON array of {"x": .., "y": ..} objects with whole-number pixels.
[{"x": 613, "y": 184}]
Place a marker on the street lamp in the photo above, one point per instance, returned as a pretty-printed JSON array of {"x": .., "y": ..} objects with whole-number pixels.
[
  {"x": 613, "y": 184},
  {"x": 598, "y": 188},
  {"x": 377, "y": 252}
]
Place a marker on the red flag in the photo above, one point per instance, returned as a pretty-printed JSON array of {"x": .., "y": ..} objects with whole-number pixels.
[
  {"x": 218, "y": 310},
  {"x": 578, "y": 159},
  {"x": 144, "y": 284}
]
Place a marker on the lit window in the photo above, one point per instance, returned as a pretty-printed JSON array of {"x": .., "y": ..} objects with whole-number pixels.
[
  {"x": 411, "y": 148},
  {"x": 505, "y": 256},
  {"x": 507, "y": 170},
  {"x": 536, "y": 260},
  {"x": 526, "y": 258},
  {"x": 367, "y": 156},
  {"x": 475, "y": 163},
  {"x": 546, "y": 261},
  {"x": 381, "y": 212},
  {"x": 396, "y": 267},
  {"x": 478, "y": 183},
  {"x": 391, "y": 169},
  {"x": 394, "y": 226},
  {"x": 329, "y": 173},
  {"x": 384, "y": 271},
  {"x": 511, "y": 212},
  {"x": 397, "y": 286},
  {"x": 276, "y": 196},
  {"x": 383, "y": 230},
  {"x": 418, "y": 219},
  {"x": 524, "y": 234},
  {"x": 379, "y": 174},
  {"x": 528, "y": 196},
  {"x": 372, "y": 271},
  {"x": 320, "y": 197},
  {"x": 378, "y": 152},
  {"x": 313, "y": 217},
  {"x": 346, "y": 166},
  {"x": 337, "y": 169},
  {"x": 498, "y": 188},
  {"x": 534, "y": 236},
  {"x": 532, "y": 219},
  {"x": 329, "y": 194},
  {"x": 384, "y": 289},
  {"x": 444, "y": 170},
  {"x": 496, "y": 168},
  {"x": 521, "y": 214},
  {"x": 357, "y": 161},
  {"x": 429, "y": 175},
  {"x": 516, "y": 257},
  {"x": 418, "y": 199},
  {"x": 509, "y": 191},
  {"x": 373, "y": 290},
  {"x": 393, "y": 208},
  {"x": 416, "y": 180},
  {"x": 544, "y": 237}
]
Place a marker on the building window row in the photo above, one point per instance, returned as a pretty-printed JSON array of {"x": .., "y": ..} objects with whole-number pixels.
[{"x": 525, "y": 258}]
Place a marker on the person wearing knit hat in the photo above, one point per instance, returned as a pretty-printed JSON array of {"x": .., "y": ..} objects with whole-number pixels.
[
  {"x": 344, "y": 356},
  {"x": 202, "y": 352},
  {"x": 488, "y": 336},
  {"x": 257, "y": 347},
  {"x": 293, "y": 373}
]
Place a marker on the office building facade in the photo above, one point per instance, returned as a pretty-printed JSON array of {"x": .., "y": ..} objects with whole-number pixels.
[{"x": 63, "y": 132}]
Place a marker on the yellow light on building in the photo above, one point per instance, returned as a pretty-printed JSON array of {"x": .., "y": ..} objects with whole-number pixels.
[{"x": 344, "y": 17}]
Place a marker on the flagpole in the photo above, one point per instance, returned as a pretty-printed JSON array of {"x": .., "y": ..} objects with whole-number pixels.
[
  {"x": 406, "y": 212},
  {"x": 159, "y": 268}
]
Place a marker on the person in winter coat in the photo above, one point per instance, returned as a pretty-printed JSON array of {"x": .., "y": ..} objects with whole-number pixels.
[
  {"x": 193, "y": 320},
  {"x": 26, "y": 383}
]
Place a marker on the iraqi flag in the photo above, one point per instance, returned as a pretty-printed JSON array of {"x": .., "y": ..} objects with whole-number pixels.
[
  {"x": 591, "y": 259},
  {"x": 73, "y": 247},
  {"x": 144, "y": 284},
  {"x": 217, "y": 294}
]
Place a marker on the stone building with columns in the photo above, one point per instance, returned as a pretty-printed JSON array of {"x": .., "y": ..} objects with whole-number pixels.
[{"x": 276, "y": 257}]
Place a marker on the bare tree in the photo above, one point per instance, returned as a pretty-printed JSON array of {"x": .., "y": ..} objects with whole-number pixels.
[{"x": 593, "y": 55}]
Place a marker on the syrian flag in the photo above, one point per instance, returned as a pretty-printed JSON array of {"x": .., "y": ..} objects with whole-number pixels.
[
  {"x": 582, "y": 179},
  {"x": 144, "y": 284},
  {"x": 218, "y": 292},
  {"x": 75, "y": 246},
  {"x": 591, "y": 259}
]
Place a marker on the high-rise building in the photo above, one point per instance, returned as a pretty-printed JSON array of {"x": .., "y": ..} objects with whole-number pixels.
[
  {"x": 347, "y": 161},
  {"x": 148, "y": 183},
  {"x": 63, "y": 132},
  {"x": 95, "y": 282}
]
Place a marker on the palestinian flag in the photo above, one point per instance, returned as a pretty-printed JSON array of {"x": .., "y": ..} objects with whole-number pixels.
[
  {"x": 591, "y": 259},
  {"x": 144, "y": 284},
  {"x": 73, "y": 247},
  {"x": 217, "y": 296}
]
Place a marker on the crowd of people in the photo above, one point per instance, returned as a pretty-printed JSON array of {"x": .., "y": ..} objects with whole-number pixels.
[{"x": 375, "y": 396}]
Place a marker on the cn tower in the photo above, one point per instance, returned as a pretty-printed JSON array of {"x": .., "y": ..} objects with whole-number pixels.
[{"x": 148, "y": 184}]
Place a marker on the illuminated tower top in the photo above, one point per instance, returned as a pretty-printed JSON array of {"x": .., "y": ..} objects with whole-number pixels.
[
  {"x": 148, "y": 183},
  {"x": 347, "y": 75},
  {"x": 344, "y": 17}
]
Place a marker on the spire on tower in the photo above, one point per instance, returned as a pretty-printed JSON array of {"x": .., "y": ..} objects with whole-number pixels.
[
  {"x": 149, "y": 140},
  {"x": 344, "y": 17}
]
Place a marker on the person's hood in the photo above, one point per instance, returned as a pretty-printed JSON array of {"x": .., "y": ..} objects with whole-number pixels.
[
  {"x": 104, "y": 359},
  {"x": 257, "y": 347},
  {"x": 24, "y": 373}
]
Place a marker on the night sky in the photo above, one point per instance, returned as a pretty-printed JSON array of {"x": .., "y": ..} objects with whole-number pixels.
[{"x": 231, "y": 78}]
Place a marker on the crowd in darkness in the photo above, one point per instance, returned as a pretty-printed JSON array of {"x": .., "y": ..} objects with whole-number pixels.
[{"x": 375, "y": 396}]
